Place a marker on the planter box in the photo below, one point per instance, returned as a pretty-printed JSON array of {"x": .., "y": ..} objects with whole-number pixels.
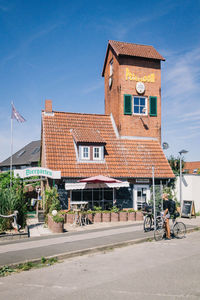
[
  {"x": 90, "y": 218},
  {"x": 70, "y": 218},
  {"x": 132, "y": 216},
  {"x": 139, "y": 216},
  {"x": 106, "y": 217},
  {"x": 114, "y": 217},
  {"x": 123, "y": 216},
  {"x": 97, "y": 218},
  {"x": 55, "y": 227}
]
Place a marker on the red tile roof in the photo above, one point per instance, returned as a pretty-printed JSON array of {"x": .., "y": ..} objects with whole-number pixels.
[
  {"x": 87, "y": 135},
  {"x": 191, "y": 166},
  {"x": 122, "y": 48},
  {"x": 130, "y": 49},
  {"x": 123, "y": 158}
]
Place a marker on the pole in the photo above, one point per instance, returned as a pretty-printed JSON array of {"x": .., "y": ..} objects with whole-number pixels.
[
  {"x": 154, "y": 201},
  {"x": 180, "y": 181},
  {"x": 161, "y": 192},
  {"x": 11, "y": 150}
]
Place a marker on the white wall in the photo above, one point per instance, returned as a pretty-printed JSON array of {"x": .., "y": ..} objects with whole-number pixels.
[{"x": 190, "y": 189}]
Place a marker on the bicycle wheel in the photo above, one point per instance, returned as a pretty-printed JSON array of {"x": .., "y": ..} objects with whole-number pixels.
[
  {"x": 159, "y": 222},
  {"x": 179, "y": 230},
  {"x": 159, "y": 234},
  {"x": 147, "y": 223}
]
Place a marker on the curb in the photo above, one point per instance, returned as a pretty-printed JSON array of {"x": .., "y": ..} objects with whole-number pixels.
[
  {"x": 97, "y": 249},
  {"x": 86, "y": 251}
]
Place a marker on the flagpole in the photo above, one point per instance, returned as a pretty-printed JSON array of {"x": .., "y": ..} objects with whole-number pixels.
[
  {"x": 11, "y": 149},
  {"x": 14, "y": 115}
]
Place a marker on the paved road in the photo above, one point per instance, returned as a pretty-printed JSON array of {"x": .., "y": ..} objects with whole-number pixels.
[
  {"x": 154, "y": 270},
  {"x": 34, "y": 248},
  {"x": 18, "y": 251}
]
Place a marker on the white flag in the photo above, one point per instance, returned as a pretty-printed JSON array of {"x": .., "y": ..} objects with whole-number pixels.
[{"x": 16, "y": 115}]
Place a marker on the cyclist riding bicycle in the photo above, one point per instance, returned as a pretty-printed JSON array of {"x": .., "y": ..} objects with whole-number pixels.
[
  {"x": 166, "y": 215},
  {"x": 169, "y": 207}
]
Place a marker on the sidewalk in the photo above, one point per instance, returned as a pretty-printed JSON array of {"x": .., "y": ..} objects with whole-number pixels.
[
  {"x": 78, "y": 241},
  {"x": 40, "y": 229}
]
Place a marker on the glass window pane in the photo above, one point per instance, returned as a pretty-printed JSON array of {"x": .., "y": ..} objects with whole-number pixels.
[
  {"x": 136, "y": 109},
  {"x": 142, "y": 110},
  {"x": 136, "y": 101},
  {"x": 142, "y": 101}
]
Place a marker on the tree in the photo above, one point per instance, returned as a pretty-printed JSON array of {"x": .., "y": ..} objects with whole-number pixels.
[{"x": 175, "y": 164}]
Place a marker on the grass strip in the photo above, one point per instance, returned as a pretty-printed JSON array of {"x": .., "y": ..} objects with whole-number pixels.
[{"x": 6, "y": 270}]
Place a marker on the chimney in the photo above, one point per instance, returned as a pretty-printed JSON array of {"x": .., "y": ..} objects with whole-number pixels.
[{"x": 48, "y": 106}]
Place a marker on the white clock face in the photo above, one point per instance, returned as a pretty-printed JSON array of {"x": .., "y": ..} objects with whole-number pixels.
[{"x": 140, "y": 88}]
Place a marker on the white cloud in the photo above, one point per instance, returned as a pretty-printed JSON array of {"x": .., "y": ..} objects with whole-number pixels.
[
  {"x": 92, "y": 88},
  {"x": 28, "y": 41}
]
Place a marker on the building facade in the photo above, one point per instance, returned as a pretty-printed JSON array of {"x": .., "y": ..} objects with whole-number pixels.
[{"x": 125, "y": 142}]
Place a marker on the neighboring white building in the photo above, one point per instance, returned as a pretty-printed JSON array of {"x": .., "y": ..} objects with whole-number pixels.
[{"x": 190, "y": 189}]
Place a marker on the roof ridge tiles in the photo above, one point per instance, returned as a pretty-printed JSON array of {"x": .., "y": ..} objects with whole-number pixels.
[
  {"x": 129, "y": 43},
  {"x": 73, "y": 113}
]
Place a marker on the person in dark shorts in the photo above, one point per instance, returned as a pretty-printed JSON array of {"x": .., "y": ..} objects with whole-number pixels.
[{"x": 166, "y": 208}]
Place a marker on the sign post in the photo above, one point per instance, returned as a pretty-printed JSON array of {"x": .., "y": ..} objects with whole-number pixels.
[{"x": 154, "y": 200}]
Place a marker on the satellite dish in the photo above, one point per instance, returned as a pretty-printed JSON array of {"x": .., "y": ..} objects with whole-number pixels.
[{"x": 165, "y": 146}]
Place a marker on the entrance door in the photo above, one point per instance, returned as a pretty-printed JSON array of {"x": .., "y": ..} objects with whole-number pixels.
[{"x": 141, "y": 195}]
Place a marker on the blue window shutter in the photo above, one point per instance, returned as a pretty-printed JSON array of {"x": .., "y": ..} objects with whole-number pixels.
[
  {"x": 127, "y": 104},
  {"x": 153, "y": 106}
]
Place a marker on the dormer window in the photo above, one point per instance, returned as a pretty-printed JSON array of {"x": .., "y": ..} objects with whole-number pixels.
[
  {"x": 91, "y": 153},
  {"x": 89, "y": 145}
]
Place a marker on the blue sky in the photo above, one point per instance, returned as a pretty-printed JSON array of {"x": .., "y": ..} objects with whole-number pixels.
[{"x": 55, "y": 50}]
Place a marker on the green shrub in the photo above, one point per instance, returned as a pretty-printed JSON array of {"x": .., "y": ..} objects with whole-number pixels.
[
  {"x": 58, "y": 218},
  {"x": 131, "y": 210},
  {"x": 114, "y": 209},
  {"x": 97, "y": 208},
  {"x": 51, "y": 200},
  {"x": 71, "y": 212},
  {"x": 11, "y": 199}
]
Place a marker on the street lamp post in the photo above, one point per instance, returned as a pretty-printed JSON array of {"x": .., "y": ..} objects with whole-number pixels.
[{"x": 181, "y": 152}]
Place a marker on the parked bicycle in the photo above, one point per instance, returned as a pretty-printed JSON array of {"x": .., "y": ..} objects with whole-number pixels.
[
  {"x": 149, "y": 217},
  {"x": 177, "y": 229}
]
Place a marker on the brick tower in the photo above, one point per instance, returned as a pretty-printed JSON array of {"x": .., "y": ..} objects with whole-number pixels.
[{"x": 133, "y": 89}]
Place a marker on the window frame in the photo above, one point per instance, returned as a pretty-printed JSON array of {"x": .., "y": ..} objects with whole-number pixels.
[
  {"x": 146, "y": 107},
  {"x": 100, "y": 153},
  {"x": 82, "y": 153}
]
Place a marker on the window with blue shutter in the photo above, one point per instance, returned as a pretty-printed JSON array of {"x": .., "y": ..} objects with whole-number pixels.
[
  {"x": 153, "y": 106},
  {"x": 127, "y": 104}
]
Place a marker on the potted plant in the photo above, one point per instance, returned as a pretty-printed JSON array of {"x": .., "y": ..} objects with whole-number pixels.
[
  {"x": 123, "y": 215},
  {"x": 97, "y": 217},
  {"x": 106, "y": 216},
  {"x": 114, "y": 214},
  {"x": 90, "y": 216},
  {"x": 131, "y": 215},
  {"x": 56, "y": 222}
]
